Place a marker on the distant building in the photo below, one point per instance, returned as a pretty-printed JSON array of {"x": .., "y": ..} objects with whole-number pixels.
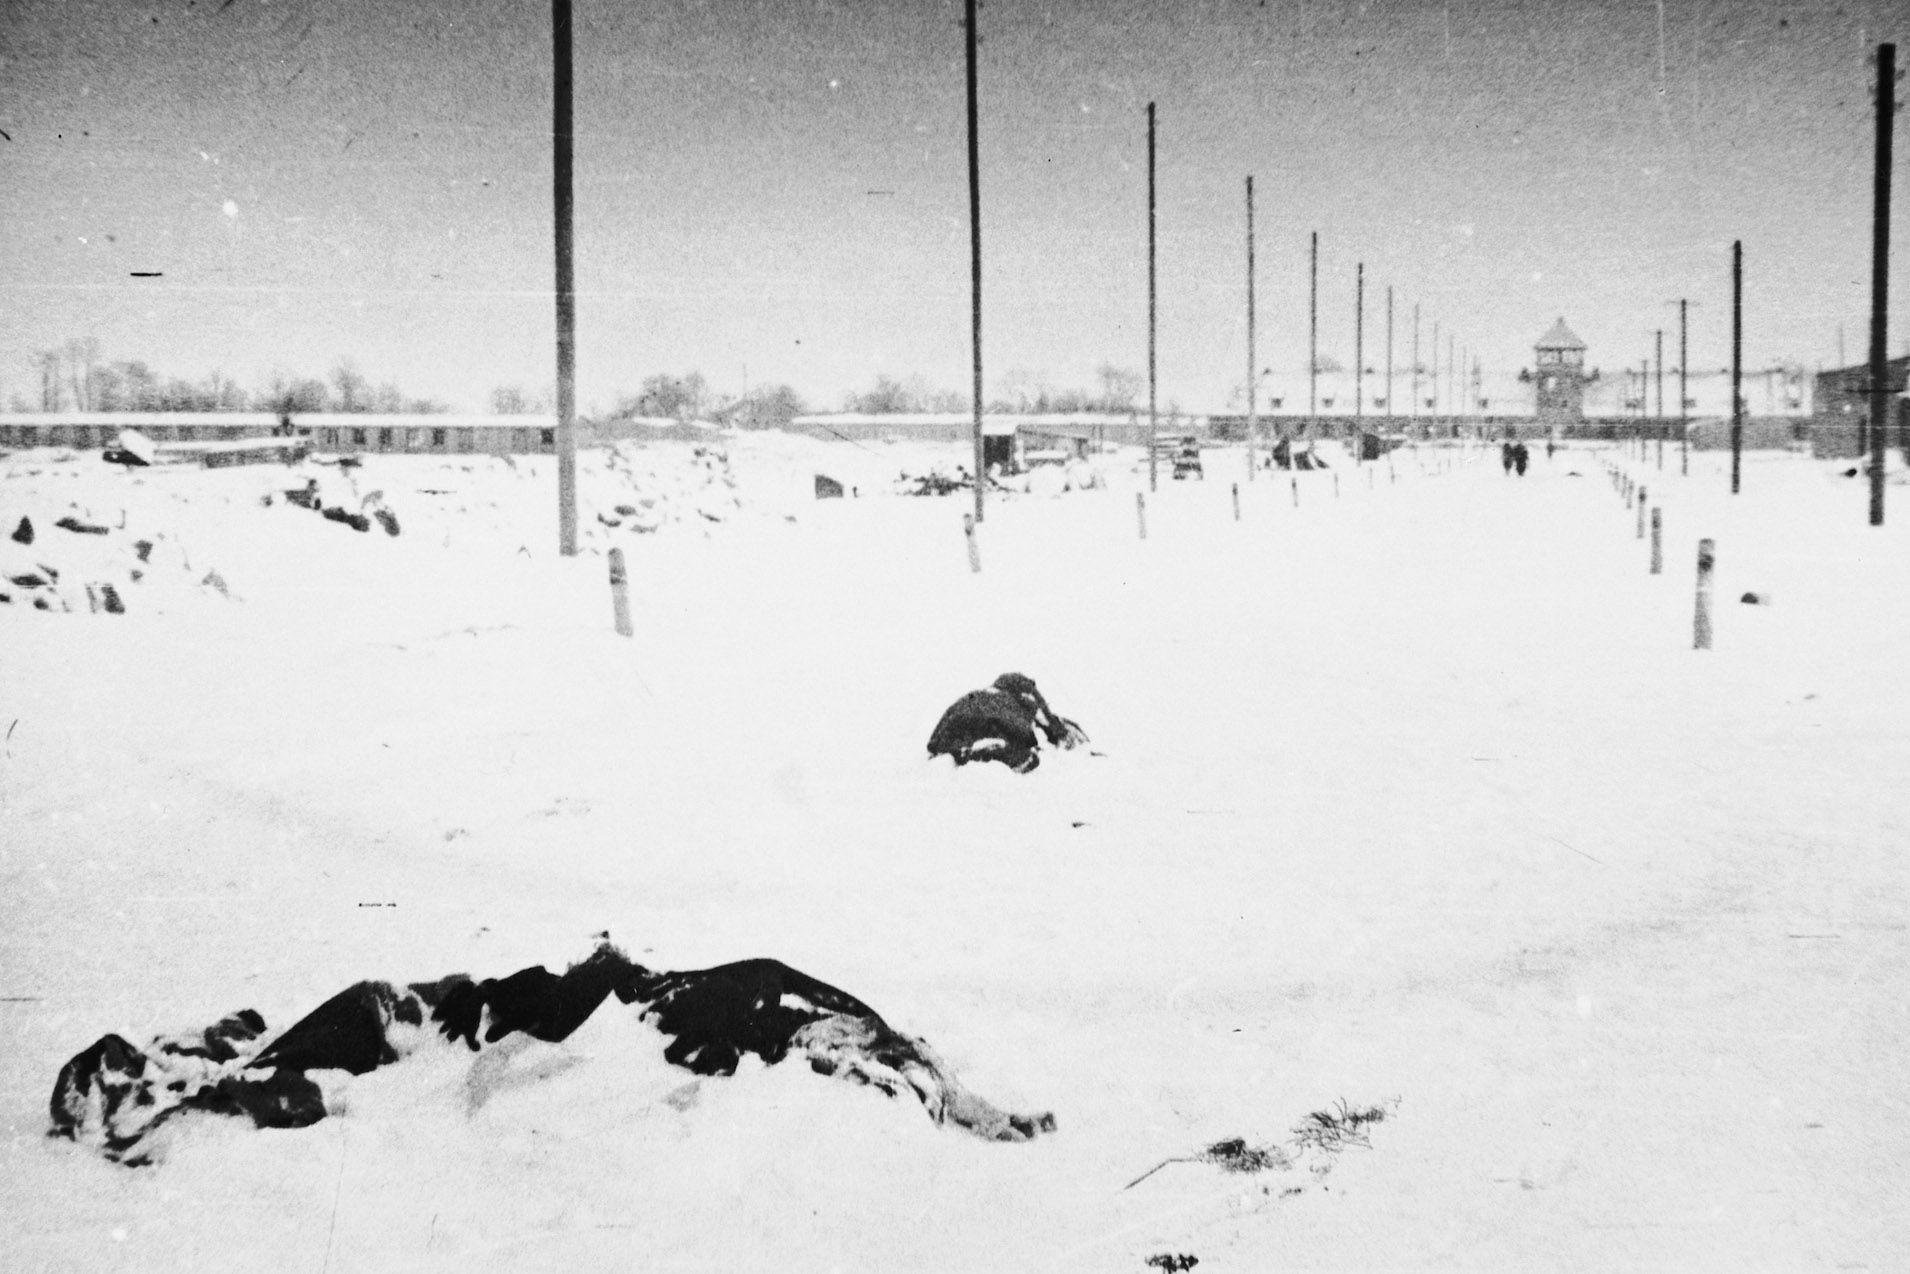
[
  {"x": 344, "y": 432},
  {"x": 1559, "y": 378},
  {"x": 1840, "y": 408},
  {"x": 1006, "y": 436}
]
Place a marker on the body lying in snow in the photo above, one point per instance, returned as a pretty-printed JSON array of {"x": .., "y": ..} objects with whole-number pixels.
[
  {"x": 999, "y": 724},
  {"x": 112, "y": 1095}
]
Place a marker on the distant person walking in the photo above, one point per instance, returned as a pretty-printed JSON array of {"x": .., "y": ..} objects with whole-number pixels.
[
  {"x": 1520, "y": 458},
  {"x": 1505, "y": 457}
]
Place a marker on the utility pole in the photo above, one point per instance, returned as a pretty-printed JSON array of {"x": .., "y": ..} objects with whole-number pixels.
[
  {"x": 1658, "y": 334},
  {"x": 1880, "y": 276},
  {"x": 566, "y": 280},
  {"x": 1737, "y": 362},
  {"x": 1359, "y": 362},
  {"x": 1391, "y": 410},
  {"x": 1153, "y": 461},
  {"x": 1452, "y": 385},
  {"x": 975, "y": 267},
  {"x": 1313, "y": 332},
  {"x": 1434, "y": 372},
  {"x": 1658, "y": 426},
  {"x": 1415, "y": 375},
  {"x": 1253, "y": 375},
  {"x": 1684, "y": 394}
]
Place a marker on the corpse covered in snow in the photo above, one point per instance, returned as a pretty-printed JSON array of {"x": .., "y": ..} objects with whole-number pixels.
[
  {"x": 112, "y": 1095},
  {"x": 999, "y": 724}
]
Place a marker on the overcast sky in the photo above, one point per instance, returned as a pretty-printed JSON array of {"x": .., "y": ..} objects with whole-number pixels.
[{"x": 777, "y": 189}]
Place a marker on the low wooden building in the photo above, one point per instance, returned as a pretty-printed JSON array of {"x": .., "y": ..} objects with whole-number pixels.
[{"x": 1840, "y": 419}]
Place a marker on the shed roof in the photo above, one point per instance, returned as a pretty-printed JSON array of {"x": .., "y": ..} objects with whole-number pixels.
[{"x": 1560, "y": 336}]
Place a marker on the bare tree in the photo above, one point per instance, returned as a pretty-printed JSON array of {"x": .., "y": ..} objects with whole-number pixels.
[
  {"x": 49, "y": 361},
  {"x": 1119, "y": 387},
  {"x": 354, "y": 391},
  {"x": 510, "y": 400},
  {"x": 684, "y": 397},
  {"x": 766, "y": 407},
  {"x": 82, "y": 352}
]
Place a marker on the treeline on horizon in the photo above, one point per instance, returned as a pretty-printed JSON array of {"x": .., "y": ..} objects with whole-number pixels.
[{"x": 76, "y": 377}]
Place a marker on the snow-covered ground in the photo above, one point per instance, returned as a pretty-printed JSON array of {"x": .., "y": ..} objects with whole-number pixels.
[{"x": 1412, "y": 798}]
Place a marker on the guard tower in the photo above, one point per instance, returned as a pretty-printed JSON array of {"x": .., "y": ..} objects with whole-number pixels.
[{"x": 1560, "y": 378}]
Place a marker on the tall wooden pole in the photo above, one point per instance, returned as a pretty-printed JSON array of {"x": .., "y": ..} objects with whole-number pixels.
[
  {"x": 1253, "y": 375},
  {"x": 1390, "y": 409},
  {"x": 1414, "y": 407},
  {"x": 1153, "y": 461},
  {"x": 1737, "y": 362},
  {"x": 1435, "y": 373},
  {"x": 1359, "y": 362},
  {"x": 1658, "y": 334},
  {"x": 1658, "y": 425},
  {"x": 1313, "y": 331},
  {"x": 975, "y": 265},
  {"x": 566, "y": 281},
  {"x": 1880, "y": 276},
  {"x": 1684, "y": 394},
  {"x": 1452, "y": 379}
]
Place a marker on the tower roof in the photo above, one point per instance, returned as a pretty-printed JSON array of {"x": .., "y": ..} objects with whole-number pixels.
[{"x": 1560, "y": 337}]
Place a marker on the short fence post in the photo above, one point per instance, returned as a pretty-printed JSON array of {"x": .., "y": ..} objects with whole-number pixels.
[
  {"x": 1140, "y": 511},
  {"x": 1336, "y": 486},
  {"x": 1641, "y": 513},
  {"x": 1701, "y": 628},
  {"x": 620, "y": 593},
  {"x": 1236, "y": 502},
  {"x": 1657, "y": 541},
  {"x": 1296, "y": 491},
  {"x": 974, "y": 549}
]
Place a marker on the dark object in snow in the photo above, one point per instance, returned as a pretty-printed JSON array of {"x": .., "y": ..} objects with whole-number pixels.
[
  {"x": 827, "y": 488},
  {"x": 335, "y": 513},
  {"x": 387, "y": 519},
  {"x": 144, "y": 548},
  {"x": 1287, "y": 458},
  {"x": 1187, "y": 460},
  {"x": 1756, "y": 599},
  {"x": 1232, "y": 1155},
  {"x": 936, "y": 483},
  {"x": 73, "y": 524},
  {"x": 216, "y": 581},
  {"x": 305, "y": 497},
  {"x": 121, "y": 456},
  {"x": 112, "y": 1095},
  {"x": 1327, "y": 1131},
  {"x": 1336, "y": 1129},
  {"x": 999, "y": 723},
  {"x": 23, "y": 534},
  {"x": 1172, "y": 1263},
  {"x": 105, "y": 597}
]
